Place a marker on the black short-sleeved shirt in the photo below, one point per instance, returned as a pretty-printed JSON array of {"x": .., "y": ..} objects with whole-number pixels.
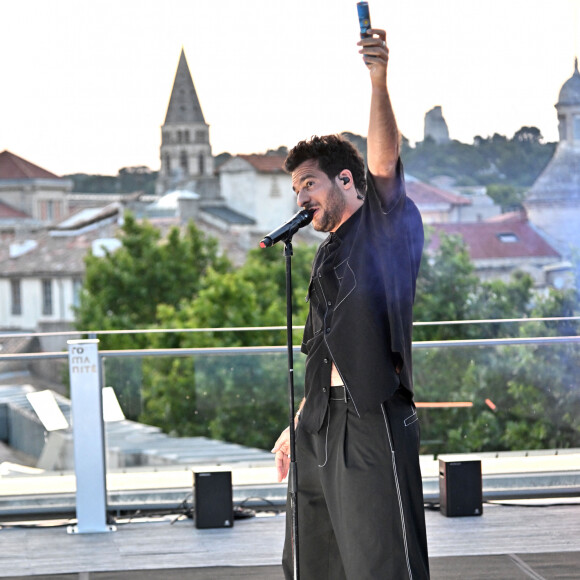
[{"x": 361, "y": 295}]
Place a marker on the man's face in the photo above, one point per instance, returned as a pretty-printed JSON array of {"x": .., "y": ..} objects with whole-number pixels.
[{"x": 315, "y": 191}]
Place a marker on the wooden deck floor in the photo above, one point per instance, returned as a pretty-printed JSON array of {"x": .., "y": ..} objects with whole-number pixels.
[{"x": 522, "y": 539}]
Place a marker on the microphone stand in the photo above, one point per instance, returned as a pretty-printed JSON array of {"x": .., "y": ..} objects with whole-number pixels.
[{"x": 292, "y": 474}]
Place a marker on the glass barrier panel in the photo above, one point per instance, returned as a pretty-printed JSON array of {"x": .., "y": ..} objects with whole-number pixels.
[
  {"x": 169, "y": 416},
  {"x": 498, "y": 398}
]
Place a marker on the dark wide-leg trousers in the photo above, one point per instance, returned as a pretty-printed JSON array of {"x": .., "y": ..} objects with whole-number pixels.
[{"x": 360, "y": 496}]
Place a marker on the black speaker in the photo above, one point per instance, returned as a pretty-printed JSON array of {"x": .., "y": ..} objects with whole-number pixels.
[
  {"x": 212, "y": 493},
  {"x": 460, "y": 488}
]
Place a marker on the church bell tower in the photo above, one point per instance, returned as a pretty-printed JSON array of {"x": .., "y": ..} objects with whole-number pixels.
[{"x": 186, "y": 157}]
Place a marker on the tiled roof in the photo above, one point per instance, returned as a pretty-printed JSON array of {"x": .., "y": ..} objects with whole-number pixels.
[
  {"x": 424, "y": 194},
  {"x": 493, "y": 239},
  {"x": 7, "y": 211},
  {"x": 508, "y": 217},
  {"x": 54, "y": 256},
  {"x": 265, "y": 163},
  {"x": 14, "y": 167}
]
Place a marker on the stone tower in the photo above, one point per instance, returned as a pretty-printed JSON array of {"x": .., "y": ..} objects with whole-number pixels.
[
  {"x": 435, "y": 126},
  {"x": 186, "y": 158},
  {"x": 553, "y": 202}
]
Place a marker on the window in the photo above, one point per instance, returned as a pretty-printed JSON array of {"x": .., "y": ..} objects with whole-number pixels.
[
  {"x": 16, "y": 297},
  {"x": 184, "y": 162},
  {"x": 576, "y": 128},
  {"x": 562, "y": 127},
  {"x": 275, "y": 188},
  {"x": 47, "y": 297},
  {"x": 508, "y": 238},
  {"x": 201, "y": 164},
  {"x": 77, "y": 287}
]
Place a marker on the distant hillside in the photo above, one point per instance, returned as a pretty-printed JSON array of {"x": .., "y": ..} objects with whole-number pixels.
[
  {"x": 128, "y": 180},
  {"x": 496, "y": 160}
]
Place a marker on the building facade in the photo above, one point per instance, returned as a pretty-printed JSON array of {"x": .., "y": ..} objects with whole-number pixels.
[
  {"x": 258, "y": 186},
  {"x": 553, "y": 202},
  {"x": 25, "y": 187}
]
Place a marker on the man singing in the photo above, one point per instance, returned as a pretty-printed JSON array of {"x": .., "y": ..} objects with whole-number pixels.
[{"x": 360, "y": 500}]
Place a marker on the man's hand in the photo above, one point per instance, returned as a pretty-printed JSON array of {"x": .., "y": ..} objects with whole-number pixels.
[
  {"x": 282, "y": 451},
  {"x": 375, "y": 54}
]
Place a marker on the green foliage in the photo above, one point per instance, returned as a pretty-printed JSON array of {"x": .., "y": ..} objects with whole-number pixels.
[
  {"x": 496, "y": 160},
  {"x": 533, "y": 388},
  {"x": 237, "y": 398},
  {"x": 490, "y": 161},
  {"x": 128, "y": 180},
  {"x": 359, "y": 142},
  {"x": 123, "y": 290},
  {"x": 446, "y": 282},
  {"x": 508, "y": 197}
]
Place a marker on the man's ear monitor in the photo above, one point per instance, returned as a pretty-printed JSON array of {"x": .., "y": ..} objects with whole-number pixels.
[{"x": 345, "y": 180}]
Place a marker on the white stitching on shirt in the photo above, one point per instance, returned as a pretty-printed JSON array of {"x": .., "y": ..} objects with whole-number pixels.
[{"x": 351, "y": 290}]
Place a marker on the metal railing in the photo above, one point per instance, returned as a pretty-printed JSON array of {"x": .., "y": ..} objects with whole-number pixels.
[{"x": 497, "y": 486}]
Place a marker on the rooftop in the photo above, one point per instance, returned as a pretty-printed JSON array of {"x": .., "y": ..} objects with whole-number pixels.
[
  {"x": 570, "y": 91},
  {"x": 512, "y": 238},
  {"x": 265, "y": 163},
  {"x": 7, "y": 212},
  {"x": 14, "y": 167},
  {"x": 425, "y": 194}
]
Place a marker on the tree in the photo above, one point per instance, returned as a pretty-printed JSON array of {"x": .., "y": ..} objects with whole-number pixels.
[
  {"x": 528, "y": 135},
  {"x": 446, "y": 284},
  {"x": 239, "y": 398},
  {"x": 532, "y": 387},
  {"x": 128, "y": 180},
  {"x": 138, "y": 178},
  {"x": 508, "y": 197},
  {"x": 123, "y": 290}
]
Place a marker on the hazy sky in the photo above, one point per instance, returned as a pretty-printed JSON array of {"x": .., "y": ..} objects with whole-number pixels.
[{"x": 85, "y": 84}]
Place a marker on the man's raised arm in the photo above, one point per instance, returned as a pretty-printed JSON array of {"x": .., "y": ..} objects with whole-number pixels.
[{"x": 383, "y": 136}]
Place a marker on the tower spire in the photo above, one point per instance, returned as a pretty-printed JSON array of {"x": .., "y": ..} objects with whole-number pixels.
[{"x": 184, "y": 106}]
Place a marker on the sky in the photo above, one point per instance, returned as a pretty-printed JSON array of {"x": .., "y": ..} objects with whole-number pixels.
[{"x": 86, "y": 84}]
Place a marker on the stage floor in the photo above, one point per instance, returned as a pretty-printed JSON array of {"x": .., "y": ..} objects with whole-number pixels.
[{"x": 539, "y": 540}]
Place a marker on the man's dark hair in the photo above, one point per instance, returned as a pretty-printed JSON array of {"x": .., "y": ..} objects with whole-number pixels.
[{"x": 333, "y": 153}]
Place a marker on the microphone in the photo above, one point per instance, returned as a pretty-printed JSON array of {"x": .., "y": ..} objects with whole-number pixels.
[{"x": 288, "y": 229}]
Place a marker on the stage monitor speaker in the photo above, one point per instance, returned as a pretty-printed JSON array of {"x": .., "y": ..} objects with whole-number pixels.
[
  {"x": 212, "y": 493},
  {"x": 460, "y": 488}
]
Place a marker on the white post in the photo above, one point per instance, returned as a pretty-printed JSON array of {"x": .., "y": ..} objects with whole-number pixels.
[{"x": 88, "y": 437}]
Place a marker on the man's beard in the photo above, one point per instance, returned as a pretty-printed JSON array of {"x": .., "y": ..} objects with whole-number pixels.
[{"x": 329, "y": 216}]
